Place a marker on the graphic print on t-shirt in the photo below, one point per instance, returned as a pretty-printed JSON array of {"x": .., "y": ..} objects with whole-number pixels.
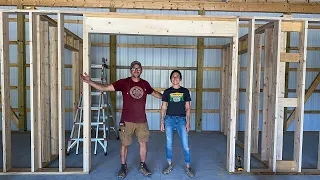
[
  {"x": 176, "y": 97},
  {"x": 136, "y": 92}
]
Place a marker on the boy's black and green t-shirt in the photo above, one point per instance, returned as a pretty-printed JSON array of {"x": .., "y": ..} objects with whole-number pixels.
[{"x": 176, "y": 99}]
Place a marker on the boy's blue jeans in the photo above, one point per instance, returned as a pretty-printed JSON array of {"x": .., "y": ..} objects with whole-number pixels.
[{"x": 179, "y": 123}]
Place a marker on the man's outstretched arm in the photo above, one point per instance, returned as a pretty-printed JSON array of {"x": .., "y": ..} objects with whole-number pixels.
[
  {"x": 156, "y": 94},
  {"x": 102, "y": 87}
]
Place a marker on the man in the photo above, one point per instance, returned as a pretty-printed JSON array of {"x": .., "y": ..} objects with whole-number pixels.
[
  {"x": 133, "y": 120},
  {"x": 176, "y": 110}
]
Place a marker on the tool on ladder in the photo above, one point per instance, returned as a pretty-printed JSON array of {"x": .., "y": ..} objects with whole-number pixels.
[{"x": 105, "y": 116}]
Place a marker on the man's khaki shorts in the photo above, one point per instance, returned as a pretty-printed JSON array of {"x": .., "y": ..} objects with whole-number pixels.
[{"x": 141, "y": 130}]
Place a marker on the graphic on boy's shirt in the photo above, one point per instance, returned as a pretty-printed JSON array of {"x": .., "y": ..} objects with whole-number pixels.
[{"x": 176, "y": 97}]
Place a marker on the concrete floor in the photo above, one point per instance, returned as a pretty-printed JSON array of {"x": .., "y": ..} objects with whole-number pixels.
[{"x": 208, "y": 158}]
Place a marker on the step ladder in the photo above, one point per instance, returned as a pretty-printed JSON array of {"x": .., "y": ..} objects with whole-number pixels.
[{"x": 100, "y": 122}]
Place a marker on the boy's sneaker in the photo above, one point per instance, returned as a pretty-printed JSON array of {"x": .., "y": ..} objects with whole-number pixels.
[
  {"x": 189, "y": 172},
  {"x": 123, "y": 171},
  {"x": 168, "y": 169},
  {"x": 144, "y": 170}
]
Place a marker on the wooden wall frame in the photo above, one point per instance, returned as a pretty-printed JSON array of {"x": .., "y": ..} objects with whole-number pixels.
[{"x": 167, "y": 25}]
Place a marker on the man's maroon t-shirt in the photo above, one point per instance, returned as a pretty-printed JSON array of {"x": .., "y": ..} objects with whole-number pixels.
[{"x": 134, "y": 99}]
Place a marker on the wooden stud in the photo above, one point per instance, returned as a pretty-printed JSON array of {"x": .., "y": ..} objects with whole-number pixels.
[
  {"x": 256, "y": 93},
  {"x": 228, "y": 84},
  {"x": 289, "y": 57},
  {"x": 33, "y": 92},
  {"x": 301, "y": 76},
  {"x": 21, "y": 71},
  {"x": 281, "y": 89},
  {"x": 283, "y": 86},
  {"x": 266, "y": 85},
  {"x": 81, "y": 64},
  {"x": 199, "y": 85},
  {"x": 291, "y": 26},
  {"x": 286, "y": 86},
  {"x": 223, "y": 90},
  {"x": 5, "y": 91},
  {"x": 61, "y": 111},
  {"x": 40, "y": 84},
  {"x": 113, "y": 69},
  {"x": 46, "y": 89},
  {"x": 75, "y": 86},
  {"x": 273, "y": 100},
  {"x": 286, "y": 166},
  {"x": 287, "y": 102},
  {"x": 86, "y": 103},
  {"x": 69, "y": 41},
  {"x": 54, "y": 90},
  {"x": 247, "y": 134},
  {"x": 238, "y": 95},
  {"x": 231, "y": 139}
]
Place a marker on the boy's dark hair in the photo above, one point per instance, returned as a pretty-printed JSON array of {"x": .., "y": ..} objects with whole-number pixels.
[{"x": 176, "y": 71}]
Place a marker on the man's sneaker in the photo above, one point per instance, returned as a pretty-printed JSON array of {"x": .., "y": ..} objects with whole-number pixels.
[
  {"x": 168, "y": 169},
  {"x": 144, "y": 170},
  {"x": 123, "y": 171},
  {"x": 189, "y": 172}
]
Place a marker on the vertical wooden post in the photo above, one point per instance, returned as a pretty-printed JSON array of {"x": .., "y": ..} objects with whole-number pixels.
[
  {"x": 286, "y": 76},
  {"x": 256, "y": 93},
  {"x": 199, "y": 85},
  {"x": 281, "y": 88},
  {"x": 266, "y": 93},
  {"x": 231, "y": 138},
  {"x": 247, "y": 135},
  {"x": 61, "y": 110},
  {"x": 40, "y": 82},
  {"x": 301, "y": 76},
  {"x": 54, "y": 90},
  {"x": 223, "y": 90},
  {"x": 238, "y": 95},
  {"x": 75, "y": 85},
  {"x": 113, "y": 69},
  {"x": 286, "y": 93},
  {"x": 46, "y": 89},
  {"x": 5, "y": 91},
  {"x": 86, "y": 102},
  {"x": 21, "y": 70},
  {"x": 81, "y": 64},
  {"x": 33, "y": 91},
  {"x": 228, "y": 86},
  {"x": 273, "y": 101}
]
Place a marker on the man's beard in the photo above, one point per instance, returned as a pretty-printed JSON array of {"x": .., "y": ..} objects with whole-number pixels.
[{"x": 136, "y": 76}]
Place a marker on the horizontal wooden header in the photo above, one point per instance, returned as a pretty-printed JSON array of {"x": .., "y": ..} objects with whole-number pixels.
[
  {"x": 284, "y": 7},
  {"x": 163, "y": 26}
]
